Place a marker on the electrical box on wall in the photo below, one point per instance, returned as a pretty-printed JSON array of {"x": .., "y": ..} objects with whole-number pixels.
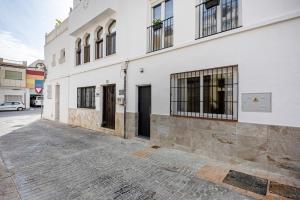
[{"x": 120, "y": 100}]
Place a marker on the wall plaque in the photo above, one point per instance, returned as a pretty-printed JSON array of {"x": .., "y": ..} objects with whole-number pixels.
[
  {"x": 121, "y": 92},
  {"x": 257, "y": 102}
]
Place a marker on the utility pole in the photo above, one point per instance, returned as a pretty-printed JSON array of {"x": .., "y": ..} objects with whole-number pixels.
[{"x": 44, "y": 69}]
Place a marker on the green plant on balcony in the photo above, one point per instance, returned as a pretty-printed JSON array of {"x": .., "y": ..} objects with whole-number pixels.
[{"x": 157, "y": 24}]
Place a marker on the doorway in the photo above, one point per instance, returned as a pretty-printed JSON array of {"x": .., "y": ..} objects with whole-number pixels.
[
  {"x": 57, "y": 102},
  {"x": 144, "y": 111},
  {"x": 109, "y": 106}
]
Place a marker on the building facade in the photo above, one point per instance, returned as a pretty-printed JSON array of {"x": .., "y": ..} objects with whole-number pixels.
[
  {"x": 13, "y": 82},
  {"x": 35, "y": 79},
  {"x": 219, "y": 78}
]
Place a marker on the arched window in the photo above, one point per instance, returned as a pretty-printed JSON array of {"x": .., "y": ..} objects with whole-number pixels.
[
  {"x": 78, "y": 52},
  {"x": 99, "y": 44},
  {"x": 111, "y": 39},
  {"x": 87, "y": 49}
]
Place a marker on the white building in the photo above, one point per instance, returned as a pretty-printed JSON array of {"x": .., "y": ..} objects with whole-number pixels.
[
  {"x": 218, "y": 79},
  {"x": 13, "y": 81}
]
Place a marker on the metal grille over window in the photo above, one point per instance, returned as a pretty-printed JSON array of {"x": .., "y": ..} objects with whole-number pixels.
[
  {"x": 216, "y": 16},
  {"x": 210, "y": 93},
  {"x": 86, "y": 97}
]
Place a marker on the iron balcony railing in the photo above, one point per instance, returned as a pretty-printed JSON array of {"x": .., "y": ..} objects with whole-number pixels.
[
  {"x": 160, "y": 35},
  {"x": 216, "y": 16}
]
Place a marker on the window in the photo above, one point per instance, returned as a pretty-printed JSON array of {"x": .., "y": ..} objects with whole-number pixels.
[
  {"x": 209, "y": 21},
  {"x": 78, "y": 52},
  {"x": 217, "y": 16},
  {"x": 111, "y": 39},
  {"x": 99, "y": 44},
  {"x": 211, "y": 93},
  {"x": 62, "y": 56},
  {"x": 49, "y": 92},
  {"x": 169, "y": 9},
  {"x": 86, "y": 97},
  {"x": 13, "y": 75},
  {"x": 157, "y": 12},
  {"x": 87, "y": 49},
  {"x": 160, "y": 33},
  {"x": 53, "y": 63},
  {"x": 229, "y": 14}
]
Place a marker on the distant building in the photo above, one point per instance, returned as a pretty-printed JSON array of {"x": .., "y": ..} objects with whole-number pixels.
[
  {"x": 35, "y": 78},
  {"x": 13, "y": 81}
]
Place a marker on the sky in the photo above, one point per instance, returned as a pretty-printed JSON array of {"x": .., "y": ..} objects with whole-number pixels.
[{"x": 23, "y": 24}]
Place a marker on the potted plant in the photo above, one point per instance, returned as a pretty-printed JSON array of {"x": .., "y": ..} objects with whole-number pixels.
[{"x": 157, "y": 24}]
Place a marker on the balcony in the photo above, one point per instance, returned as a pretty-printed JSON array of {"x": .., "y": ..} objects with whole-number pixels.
[
  {"x": 160, "y": 35},
  {"x": 217, "y": 16}
]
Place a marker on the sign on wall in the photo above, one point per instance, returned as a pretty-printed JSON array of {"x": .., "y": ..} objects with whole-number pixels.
[{"x": 257, "y": 102}]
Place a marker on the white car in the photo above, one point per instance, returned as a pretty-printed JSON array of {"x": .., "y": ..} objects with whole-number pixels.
[
  {"x": 14, "y": 105},
  {"x": 37, "y": 101}
]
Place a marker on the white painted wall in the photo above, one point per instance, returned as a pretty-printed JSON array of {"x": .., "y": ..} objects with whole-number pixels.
[{"x": 266, "y": 53}]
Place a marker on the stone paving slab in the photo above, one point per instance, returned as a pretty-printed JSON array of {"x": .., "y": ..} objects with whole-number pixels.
[{"x": 55, "y": 161}]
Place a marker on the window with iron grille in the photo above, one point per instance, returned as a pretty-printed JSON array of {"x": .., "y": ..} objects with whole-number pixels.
[
  {"x": 209, "y": 93},
  {"x": 160, "y": 33},
  {"x": 216, "y": 16},
  {"x": 86, "y": 97}
]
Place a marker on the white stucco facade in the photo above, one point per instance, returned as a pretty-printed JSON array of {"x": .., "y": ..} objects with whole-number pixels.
[{"x": 264, "y": 49}]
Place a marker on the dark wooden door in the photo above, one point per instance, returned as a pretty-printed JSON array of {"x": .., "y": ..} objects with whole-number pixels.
[
  {"x": 144, "y": 108},
  {"x": 109, "y": 106}
]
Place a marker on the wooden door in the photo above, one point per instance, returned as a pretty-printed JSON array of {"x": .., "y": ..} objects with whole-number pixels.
[{"x": 109, "y": 106}]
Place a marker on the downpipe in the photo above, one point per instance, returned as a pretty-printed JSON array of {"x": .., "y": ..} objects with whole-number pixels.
[{"x": 125, "y": 97}]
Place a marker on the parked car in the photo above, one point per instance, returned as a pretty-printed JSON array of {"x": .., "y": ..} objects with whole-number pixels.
[
  {"x": 37, "y": 101},
  {"x": 14, "y": 105}
]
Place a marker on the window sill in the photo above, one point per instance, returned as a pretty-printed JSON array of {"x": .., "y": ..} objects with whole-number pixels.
[
  {"x": 96, "y": 60},
  {"x": 198, "y": 38},
  {"x": 204, "y": 118},
  {"x": 87, "y": 108}
]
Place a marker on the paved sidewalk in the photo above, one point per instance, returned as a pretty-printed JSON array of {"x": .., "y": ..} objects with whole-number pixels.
[{"x": 54, "y": 161}]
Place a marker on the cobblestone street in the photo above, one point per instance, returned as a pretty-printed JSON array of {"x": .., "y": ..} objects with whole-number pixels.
[{"x": 46, "y": 160}]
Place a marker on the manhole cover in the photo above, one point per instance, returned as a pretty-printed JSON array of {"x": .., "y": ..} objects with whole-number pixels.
[
  {"x": 284, "y": 190},
  {"x": 247, "y": 182}
]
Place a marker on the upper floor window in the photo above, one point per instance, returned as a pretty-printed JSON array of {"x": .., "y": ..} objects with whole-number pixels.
[
  {"x": 78, "y": 52},
  {"x": 111, "y": 39},
  {"x": 87, "y": 49},
  {"x": 99, "y": 44},
  {"x": 160, "y": 33},
  {"x": 157, "y": 12},
  {"x": 215, "y": 16},
  {"x": 210, "y": 93},
  {"x": 13, "y": 75},
  {"x": 230, "y": 14},
  {"x": 53, "y": 63},
  {"x": 62, "y": 56}
]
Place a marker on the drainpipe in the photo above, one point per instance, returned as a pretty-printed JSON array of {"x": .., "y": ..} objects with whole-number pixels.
[{"x": 125, "y": 96}]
